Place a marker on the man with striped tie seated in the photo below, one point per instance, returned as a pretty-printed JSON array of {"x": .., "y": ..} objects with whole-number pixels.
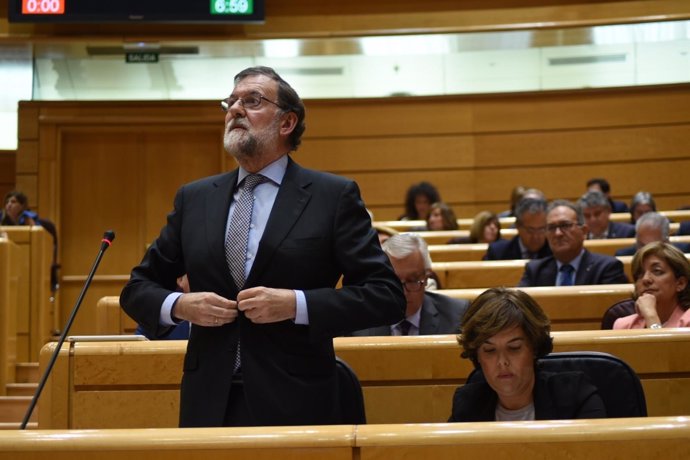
[{"x": 570, "y": 264}]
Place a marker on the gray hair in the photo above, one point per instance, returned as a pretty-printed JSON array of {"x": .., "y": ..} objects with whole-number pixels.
[
  {"x": 594, "y": 198},
  {"x": 568, "y": 204},
  {"x": 404, "y": 244},
  {"x": 642, "y": 197},
  {"x": 528, "y": 206},
  {"x": 655, "y": 220}
]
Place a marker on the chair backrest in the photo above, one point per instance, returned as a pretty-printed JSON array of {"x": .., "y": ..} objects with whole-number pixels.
[
  {"x": 351, "y": 398},
  {"x": 618, "y": 384},
  {"x": 617, "y": 310}
]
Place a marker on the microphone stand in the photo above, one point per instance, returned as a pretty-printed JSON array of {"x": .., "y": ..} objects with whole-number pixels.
[{"x": 108, "y": 238}]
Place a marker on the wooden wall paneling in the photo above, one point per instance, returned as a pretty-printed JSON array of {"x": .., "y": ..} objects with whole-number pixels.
[
  {"x": 586, "y": 145},
  {"x": 27, "y": 157},
  {"x": 404, "y": 152},
  {"x": 22, "y": 239},
  {"x": 577, "y": 109},
  {"x": 86, "y": 322},
  {"x": 7, "y": 171},
  {"x": 133, "y": 174},
  {"x": 390, "y": 116},
  {"x": 10, "y": 274},
  {"x": 174, "y": 157}
]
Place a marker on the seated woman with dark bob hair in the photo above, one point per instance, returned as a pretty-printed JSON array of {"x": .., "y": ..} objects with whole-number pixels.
[{"x": 504, "y": 333}]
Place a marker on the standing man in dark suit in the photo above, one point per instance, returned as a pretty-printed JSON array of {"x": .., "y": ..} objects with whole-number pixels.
[
  {"x": 571, "y": 263},
  {"x": 263, "y": 248},
  {"x": 530, "y": 242},
  {"x": 427, "y": 312},
  {"x": 597, "y": 211}
]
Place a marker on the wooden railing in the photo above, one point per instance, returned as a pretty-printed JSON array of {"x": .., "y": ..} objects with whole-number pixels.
[{"x": 654, "y": 437}]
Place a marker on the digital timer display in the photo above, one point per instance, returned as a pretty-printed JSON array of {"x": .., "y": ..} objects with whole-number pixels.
[
  {"x": 137, "y": 11},
  {"x": 43, "y": 6},
  {"x": 232, "y": 6}
]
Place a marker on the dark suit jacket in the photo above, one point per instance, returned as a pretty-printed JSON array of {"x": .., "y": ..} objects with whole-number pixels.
[
  {"x": 318, "y": 229},
  {"x": 618, "y": 206},
  {"x": 440, "y": 315},
  {"x": 594, "y": 269},
  {"x": 631, "y": 250},
  {"x": 510, "y": 249},
  {"x": 684, "y": 228},
  {"x": 557, "y": 396},
  {"x": 620, "y": 230}
]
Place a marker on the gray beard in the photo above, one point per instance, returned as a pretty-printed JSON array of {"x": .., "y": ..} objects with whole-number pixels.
[{"x": 240, "y": 148}]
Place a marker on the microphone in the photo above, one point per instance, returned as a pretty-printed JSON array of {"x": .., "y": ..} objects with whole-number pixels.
[{"x": 107, "y": 240}]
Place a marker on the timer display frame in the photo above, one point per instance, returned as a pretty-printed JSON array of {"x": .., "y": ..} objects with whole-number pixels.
[{"x": 137, "y": 11}]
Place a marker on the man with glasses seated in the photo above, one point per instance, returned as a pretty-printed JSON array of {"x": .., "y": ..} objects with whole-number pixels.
[
  {"x": 427, "y": 312},
  {"x": 530, "y": 242},
  {"x": 571, "y": 264}
]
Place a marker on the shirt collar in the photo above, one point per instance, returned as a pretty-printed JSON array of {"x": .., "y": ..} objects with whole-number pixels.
[
  {"x": 274, "y": 171},
  {"x": 575, "y": 263}
]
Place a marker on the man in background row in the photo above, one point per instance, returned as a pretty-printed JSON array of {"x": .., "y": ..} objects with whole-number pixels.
[
  {"x": 530, "y": 242},
  {"x": 599, "y": 184},
  {"x": 427, "y": 312},
  {"x": 571, "y": 264},
  {"x": 597, "y": 212},
  {"x": 651, "y": 227}
]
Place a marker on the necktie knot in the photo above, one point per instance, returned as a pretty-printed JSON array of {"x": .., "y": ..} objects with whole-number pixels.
[
  {"x": 567, "y": 275},
  {"x": 404, "y": 327},
  {"x": 252, "y": 181}
]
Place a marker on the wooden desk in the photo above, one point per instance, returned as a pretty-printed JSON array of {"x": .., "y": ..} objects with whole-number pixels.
[
  {"x": 10, "y": 272},
  {"x": 136, "y": 384},
  {"x": 36, "y": 313},
  {"x": 570, "y": 308},
  {"x": 475, "y": 252},
  {"x": 574, "y": 439}
]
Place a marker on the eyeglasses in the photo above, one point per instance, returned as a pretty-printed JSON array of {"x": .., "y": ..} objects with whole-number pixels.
[
  {"x": 533, "y": 230},
  {"x": 414, "y": 286},
  {"x": 251, "y": 101},
  {"x": 562, "y": 226}
]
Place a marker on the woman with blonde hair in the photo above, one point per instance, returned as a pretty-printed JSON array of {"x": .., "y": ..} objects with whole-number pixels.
[{"x": 662, "y": 292}]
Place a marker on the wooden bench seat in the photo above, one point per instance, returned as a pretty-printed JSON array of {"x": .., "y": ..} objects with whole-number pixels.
[
  {"x": 568, "y": 307},
  {"x": 674, "y": 216},
  {"x": 136, "y": 384},
  {"x": 470, "y": 252}
]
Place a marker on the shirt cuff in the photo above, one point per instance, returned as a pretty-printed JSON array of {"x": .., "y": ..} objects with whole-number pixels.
[
  {"x": 302, "y": 314},
  {"x": 166, "y": 317}
]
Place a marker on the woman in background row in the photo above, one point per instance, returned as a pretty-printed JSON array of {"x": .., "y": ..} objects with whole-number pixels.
[
  {"x": 17, "y": 210},
  {"x": 662, "y": 293},
  {"x": 504, "y": 333},
  {"x": 441, "y": 217},
  {"x": 418, "y": 201},
  {"x": 485, "y": 229}
]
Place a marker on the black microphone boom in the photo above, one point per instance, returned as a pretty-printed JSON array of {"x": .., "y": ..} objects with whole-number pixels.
[{"x": 107, "y": 240}]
